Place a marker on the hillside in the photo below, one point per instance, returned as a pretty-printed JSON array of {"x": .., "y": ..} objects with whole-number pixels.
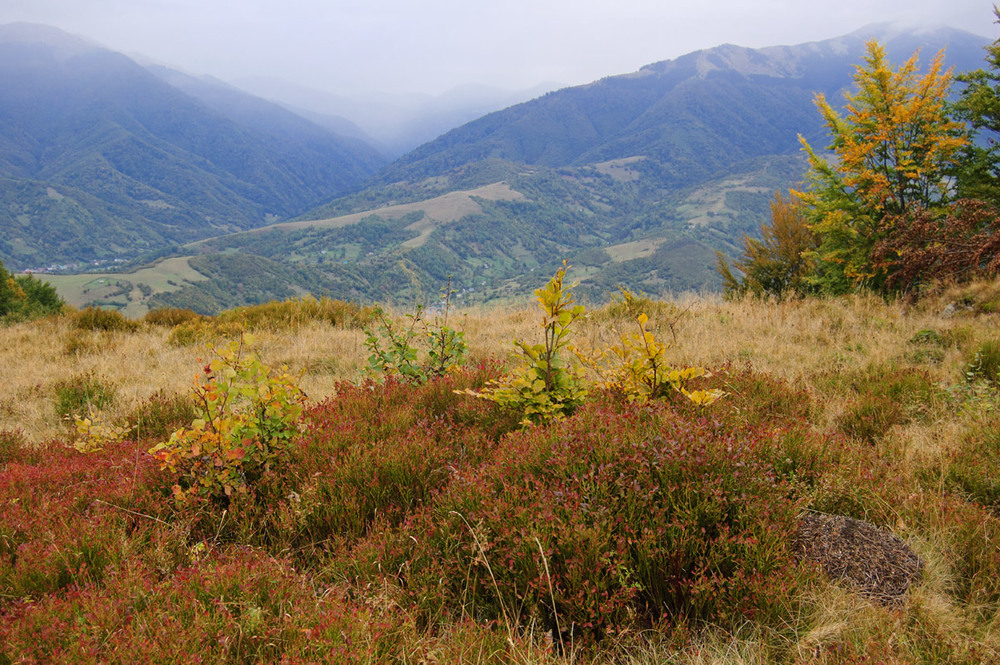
[
  {"x": 411, "y": 454},
  {"x": 101, "y": 159},
  {"x": 493, "y": 238},
  {"x": 695, "y": 117},
  {"x": 409, "y": 522},
  {"x": 635, "y": 179}
]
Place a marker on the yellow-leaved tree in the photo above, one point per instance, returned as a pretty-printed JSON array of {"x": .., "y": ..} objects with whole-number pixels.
[{"x": 893, "y": 150}]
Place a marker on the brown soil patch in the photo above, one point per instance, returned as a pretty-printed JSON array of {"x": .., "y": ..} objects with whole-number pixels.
[{"x": 877, "y": 563}]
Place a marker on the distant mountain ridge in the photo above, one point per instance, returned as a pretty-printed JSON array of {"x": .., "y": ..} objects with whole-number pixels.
[
  {"x": 396, "y": 123},
  {"x": 635, "y": 179},
  {"x": 696, "y": 115},
  {"x": 99, "y": 156}
]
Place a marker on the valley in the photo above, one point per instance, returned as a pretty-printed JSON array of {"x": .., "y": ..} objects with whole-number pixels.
[
  {"x": 636, "y": 179},
  {"x": 407, "y": 251}
]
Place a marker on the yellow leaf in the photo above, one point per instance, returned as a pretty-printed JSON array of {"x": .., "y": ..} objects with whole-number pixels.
[{"x": 704, "y": 397}]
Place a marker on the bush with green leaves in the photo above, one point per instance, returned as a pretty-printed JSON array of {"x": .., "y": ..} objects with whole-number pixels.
[
  {"x": 248, "y": 416},
  {"x": 391, "y": 348},
  {"x": 550, "y": 381},
  {"x": 23, "y": 297},
  {"x": 397, "y": 350}
]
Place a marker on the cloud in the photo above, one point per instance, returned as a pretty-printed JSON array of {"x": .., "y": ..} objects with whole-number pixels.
[{"x": 432, "y": 45}]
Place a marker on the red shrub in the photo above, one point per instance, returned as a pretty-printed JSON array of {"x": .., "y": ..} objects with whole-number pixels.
[
  {"x": 960, "y": 245},
  {"x": 233, "y": 607},
  {"x": 371, "y": 455},
  {"x": 65, "y": 518},
  {"x": 638, "y": 514}
]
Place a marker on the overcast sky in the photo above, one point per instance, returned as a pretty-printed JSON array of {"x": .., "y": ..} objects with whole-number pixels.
[{"x": 430, "y": 46}]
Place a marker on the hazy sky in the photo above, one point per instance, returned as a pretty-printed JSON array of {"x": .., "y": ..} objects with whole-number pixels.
[{"x": 432, "y": 45}]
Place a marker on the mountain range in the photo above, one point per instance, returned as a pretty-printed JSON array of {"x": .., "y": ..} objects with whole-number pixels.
[
  {"x": 696, "y": 116},
  {"x": 100, "y": 156},
  {"x": 635, "y": 179},
  {"x": 395, "y": 123}
]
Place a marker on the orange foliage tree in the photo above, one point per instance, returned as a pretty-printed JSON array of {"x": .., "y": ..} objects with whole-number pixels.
[
  {"x": 778, "y": 263},
  {"x": 893, "y": 149}
]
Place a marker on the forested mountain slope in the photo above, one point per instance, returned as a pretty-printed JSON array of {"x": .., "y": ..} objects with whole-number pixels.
[
  {"x": 695, "y": 116},
  {"x": 100, "y": 158},
  {"x": 636, "y": 180}
]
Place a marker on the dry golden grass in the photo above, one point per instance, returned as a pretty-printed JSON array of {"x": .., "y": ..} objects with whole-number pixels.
[
  {"x": 800, "y": 339},
  {"x": 38, "y": 356},
  {"x": 796, "y": 340}
]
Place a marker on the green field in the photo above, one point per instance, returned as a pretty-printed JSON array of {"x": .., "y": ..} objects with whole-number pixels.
[{"x": 128, "y": 292}]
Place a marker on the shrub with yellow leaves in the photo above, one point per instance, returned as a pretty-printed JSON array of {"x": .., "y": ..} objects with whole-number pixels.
[
  {"x": 637, "y": 367},
  {"x": 92, "y": 434},
  {"x": 550, "y": 382},
  {"x": 248, "y": 418}
]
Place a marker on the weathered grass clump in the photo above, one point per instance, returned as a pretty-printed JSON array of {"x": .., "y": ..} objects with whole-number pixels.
[
  {"x": 162, "y": 414},
  {"x": 171, "y": 316},
  {"x": 272, "y": 316},
  {"x": 974, "y": 469},
  {"x": 106, "y": 320},
  {"x": 296, "y": 312},
  {"x": 983, "y": 363},
  {"x": 82, "y": 393}
]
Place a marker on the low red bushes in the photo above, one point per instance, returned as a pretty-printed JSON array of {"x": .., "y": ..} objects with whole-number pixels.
[
  {"x": 620, "y": 517},
  {"x": 236, "y": 607},
  {"x": 377, "y": 452},
  {"x": 67, "y": 518},
  {"x": 612, "y": 518}
]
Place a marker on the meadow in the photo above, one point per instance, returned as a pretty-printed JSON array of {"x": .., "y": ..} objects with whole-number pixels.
[{"x": 409, "y": 522}]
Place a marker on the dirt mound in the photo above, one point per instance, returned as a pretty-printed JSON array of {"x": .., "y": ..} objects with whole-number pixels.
[{"x": 877, "y": 563}]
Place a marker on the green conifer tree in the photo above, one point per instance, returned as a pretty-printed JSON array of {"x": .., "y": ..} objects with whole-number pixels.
[{"x": 978, "y": 172}]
